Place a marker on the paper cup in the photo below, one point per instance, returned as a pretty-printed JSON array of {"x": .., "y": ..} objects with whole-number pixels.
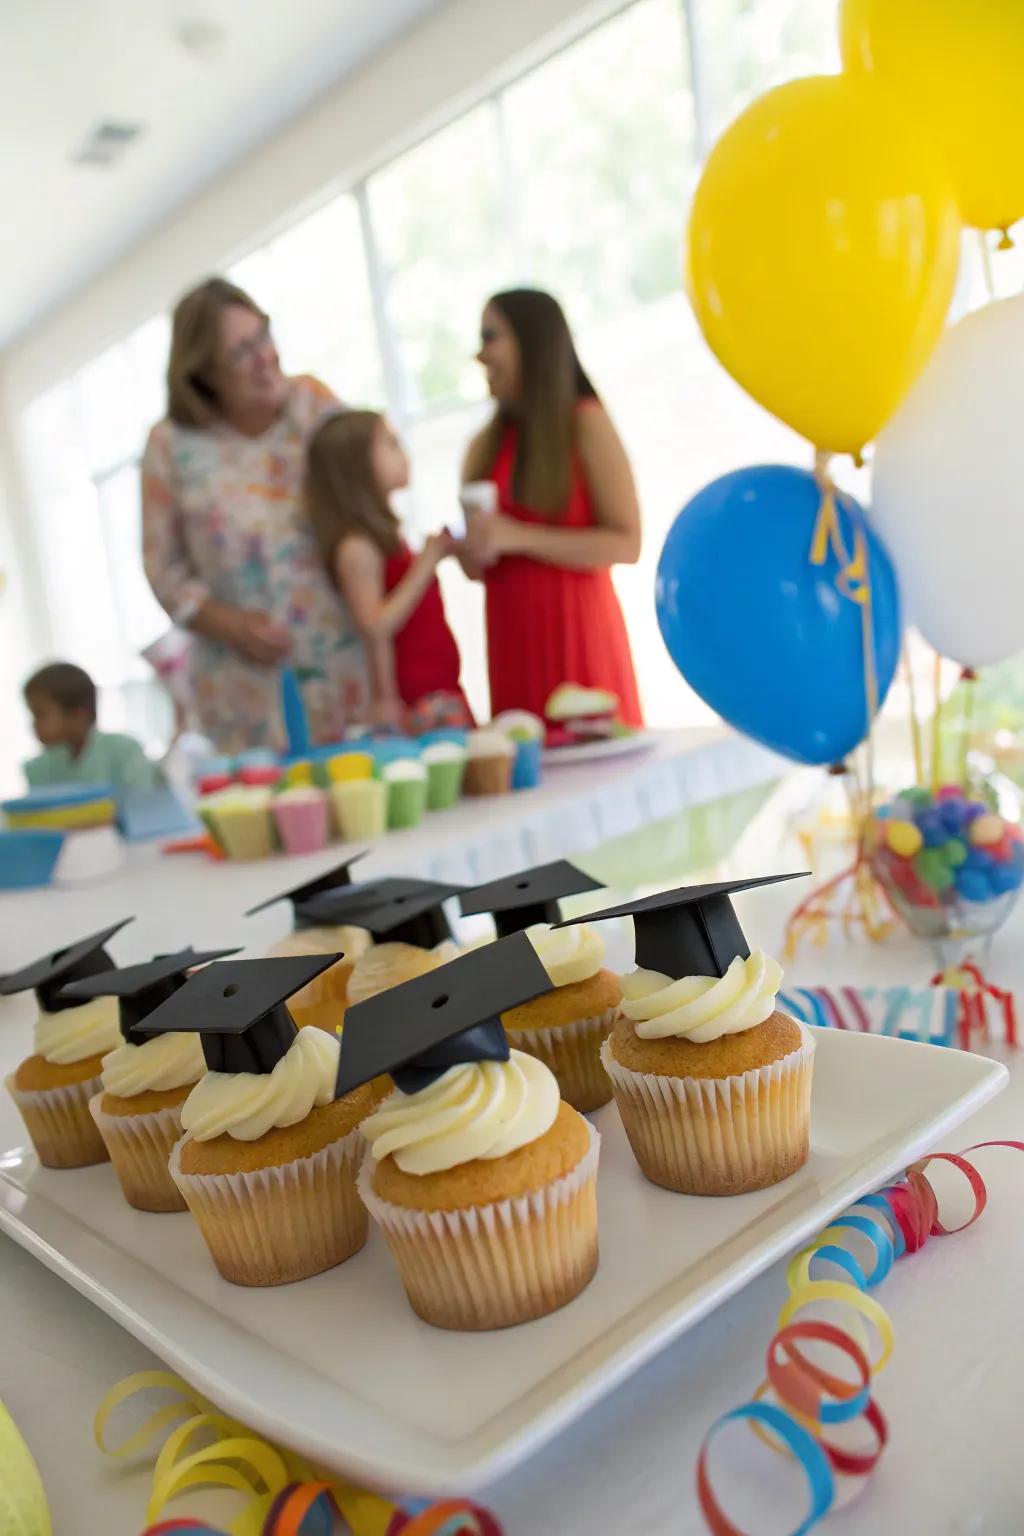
[
  {"x": 717, "y": 1136},
  {"x": 526, "y": 767},
  {"x": 444, "y": 784},
  {"x": 573, "y": 1052},
  {"x": 407, "y": 802},
  {"x": 271, "y": 1226},
  {"x": 140, "y": 1147},
  {"x": 302, "y": 825},
  {"x": 360, "y": 809},
  {"x": 245, "y": 832},
  {"x": 488, "y": 775},
  {"x": 63, "y": 1131},
  {"x": 491, "y": 1266},
  {"x": 479, "y": 496},
  {"x": 350, "y": 765}
]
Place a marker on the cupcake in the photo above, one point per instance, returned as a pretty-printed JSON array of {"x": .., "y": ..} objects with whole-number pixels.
[
  {"x": 268, "y": 1161},
  {"x": 712, "y": 1081},
  {"x": 302, "y": 817},
  {"x": 406, "y": 782},
  {"x": 385, "y": 966},
  {"x": 490, "y": 758},
  {"x": 526, "y": 732},
  {"x": 322, "y": 1001},
  {"x": 483, "y": 1182},
  {"x": 360, "y": 809},
  {"x": 445, "y": 762},
  {"x": 53, "y": 1087},
  {"x": 565, "y": 1027},
  {"x": 145, "y": 1080},
  {"x": 240, "y": 822}
]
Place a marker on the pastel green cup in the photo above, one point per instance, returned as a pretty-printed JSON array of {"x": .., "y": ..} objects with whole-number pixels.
[
  {"x": 445, "y": 763},
  {"x": 406, "y": 782},
  {"x": 360, "y": 809}
]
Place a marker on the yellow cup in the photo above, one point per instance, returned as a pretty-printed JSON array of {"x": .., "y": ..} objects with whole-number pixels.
[{"x": 350, "y": 765}]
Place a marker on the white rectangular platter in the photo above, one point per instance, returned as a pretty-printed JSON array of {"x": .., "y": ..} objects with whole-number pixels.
[{"x": 340, "y": 1368}]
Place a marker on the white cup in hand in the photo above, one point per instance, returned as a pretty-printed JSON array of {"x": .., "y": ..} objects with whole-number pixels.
[{"x": 479, "y": 496}]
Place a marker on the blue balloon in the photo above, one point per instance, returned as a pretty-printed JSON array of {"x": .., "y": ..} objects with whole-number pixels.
[
  {"x": 766, "y": 638},
  {"x": 933, "y": 829}
]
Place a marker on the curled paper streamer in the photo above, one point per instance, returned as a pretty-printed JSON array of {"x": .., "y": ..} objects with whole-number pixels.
[
  {"x": 283, "y": 1495},
  {"x": 23, "y": 1507},
  {"x": 896, "y": 1221}
]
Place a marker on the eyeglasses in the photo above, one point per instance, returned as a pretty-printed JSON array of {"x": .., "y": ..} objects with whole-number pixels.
[{"x": 244, "y": 350}]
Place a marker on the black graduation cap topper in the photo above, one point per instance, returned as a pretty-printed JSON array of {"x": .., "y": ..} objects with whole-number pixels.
[
  {"x": 48, "y": 975},
  {"x": 237, "y": 1007},
  {"x": 336, "y": 879},
  {"x": 400, "y": 911},
  {"x": 418, "y": 1030},
  {"x": 532, "y": 896},
  {"x": 140, "y": 989},
  {"x": 349, "y": 904},
  {"x": 692, "y": 931}
]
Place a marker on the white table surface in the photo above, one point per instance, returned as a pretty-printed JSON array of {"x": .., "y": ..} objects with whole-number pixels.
[{"x": 951, "y": 1393}]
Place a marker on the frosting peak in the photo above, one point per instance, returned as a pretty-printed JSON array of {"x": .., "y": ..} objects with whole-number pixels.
[
  {"x": 153, "y": 1066},
  {"x": 702, "y": 1008},
  {"x": 567, "y": 954},
  {"x": 480, "y": 1110},
  {"x": 247, "y": 1105},
  {"x": 75, "y": 1033}
]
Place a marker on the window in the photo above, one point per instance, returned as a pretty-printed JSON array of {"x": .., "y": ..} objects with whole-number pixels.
[{"x": 574, "y": 177}]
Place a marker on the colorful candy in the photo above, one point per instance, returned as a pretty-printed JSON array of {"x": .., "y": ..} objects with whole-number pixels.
[{"x": 935, "y": 851}]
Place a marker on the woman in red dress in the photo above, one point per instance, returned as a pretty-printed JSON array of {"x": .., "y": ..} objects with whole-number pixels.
[{"x": 567, "y": 512}]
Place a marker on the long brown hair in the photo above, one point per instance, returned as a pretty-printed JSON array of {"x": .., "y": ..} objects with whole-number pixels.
[
  {"x": 191, "y": 398},
  {"x": 553, "y": 381},
  {"x": 342, "y": 497}
]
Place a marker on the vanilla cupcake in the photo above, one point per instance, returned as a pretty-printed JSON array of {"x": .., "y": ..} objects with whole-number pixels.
[
  {"x": 389, "y": 965},
  {"x": 146, "y": 1079},
  {"x": 566, "y": 1027},
  {"x": 483, "y": 1182},
  {"x": 490, "y": 758},
  {"x": 322, "y": 1002},
  {"x": 52, "y": 1087},
  {"x": 712, "y": 1082},
  {"x": 270, "y": 1153}
]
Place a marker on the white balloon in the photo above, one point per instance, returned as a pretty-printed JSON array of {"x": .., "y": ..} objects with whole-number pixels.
[{"x": 948, "y": 489}]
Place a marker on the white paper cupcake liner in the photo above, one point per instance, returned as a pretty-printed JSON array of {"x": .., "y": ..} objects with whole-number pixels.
[
  {"x": 718, "y": 1136},
  {"x": 269, "y": 1226},
  {"x": 58, "y": 1120},
  {"x": 573, "y": 1052},
  {"x": 140, "y": 1147},
  {"x": 490, "y": 1266}
]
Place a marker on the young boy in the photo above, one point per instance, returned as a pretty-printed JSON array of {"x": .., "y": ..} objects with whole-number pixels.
[{"x": 62, "y": 701}]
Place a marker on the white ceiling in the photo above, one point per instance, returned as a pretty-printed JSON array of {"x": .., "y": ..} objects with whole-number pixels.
[{"x": 65, "y": 65}]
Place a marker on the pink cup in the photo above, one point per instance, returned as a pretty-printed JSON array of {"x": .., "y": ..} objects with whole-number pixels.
[{"x": 302, "y": 820}]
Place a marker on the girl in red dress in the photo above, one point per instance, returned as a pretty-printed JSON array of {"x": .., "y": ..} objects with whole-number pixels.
[
  {"x": 355, "y": 464},
  {"x": 567, "y": 513}
]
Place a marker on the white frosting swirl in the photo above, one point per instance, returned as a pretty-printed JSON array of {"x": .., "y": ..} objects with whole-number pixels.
[
  {"x": 567, "y": 954},
  {"x": 154, "y": 1066},
  {"x": 482, "y": 1109},
  {"x": 75, "y": 1033},
  {"x": 348, "y": 941},
  {"x": 246, "y": 1105},
  {"x": 702, "y": 1008}
]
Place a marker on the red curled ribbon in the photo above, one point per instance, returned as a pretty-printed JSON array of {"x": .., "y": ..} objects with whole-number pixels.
[{"x": 810, "y": 1399}]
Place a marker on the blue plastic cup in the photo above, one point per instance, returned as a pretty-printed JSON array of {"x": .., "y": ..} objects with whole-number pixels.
[{"x": 527, "y": 766}]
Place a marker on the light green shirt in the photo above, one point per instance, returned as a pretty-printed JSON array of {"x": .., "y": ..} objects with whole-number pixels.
[{"x": 106, "y": 758}]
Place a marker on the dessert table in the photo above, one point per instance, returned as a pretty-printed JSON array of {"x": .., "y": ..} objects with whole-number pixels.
[{"x": 950, "y": 1392}]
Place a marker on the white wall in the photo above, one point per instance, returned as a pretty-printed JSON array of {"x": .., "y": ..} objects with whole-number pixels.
[
  {"x": 22, "y": 633},
  {"x": 426, "y": 77}
]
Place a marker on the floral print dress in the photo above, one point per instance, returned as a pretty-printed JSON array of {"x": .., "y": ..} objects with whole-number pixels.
[{"x": 222, "y": 518}]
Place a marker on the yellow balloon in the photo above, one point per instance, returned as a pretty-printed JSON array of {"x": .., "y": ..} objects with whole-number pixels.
[
  {"x": 823, "y": 249},
  {"x": 959, "y": 65}
]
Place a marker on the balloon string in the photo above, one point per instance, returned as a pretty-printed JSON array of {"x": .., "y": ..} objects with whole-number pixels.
[
  {"x": 968, "y": 678},
  {"x": 915, "y": 721},
  {"x": 936, "y": 773},
  {"x": 986, "y": 260}
]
